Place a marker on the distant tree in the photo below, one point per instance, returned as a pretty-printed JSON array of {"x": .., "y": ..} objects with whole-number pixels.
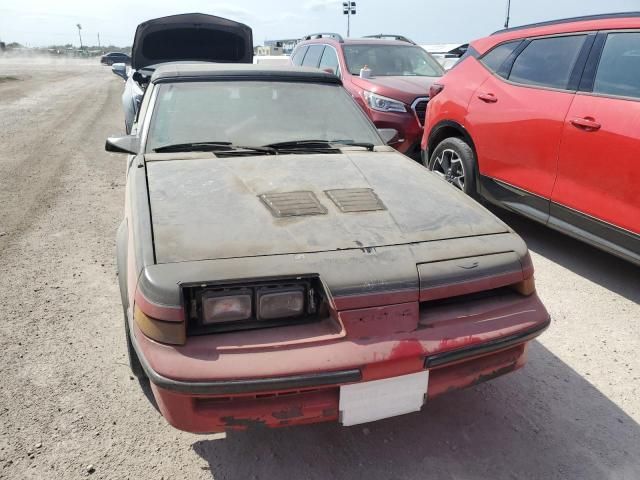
[{"x": 14, "y": 45}]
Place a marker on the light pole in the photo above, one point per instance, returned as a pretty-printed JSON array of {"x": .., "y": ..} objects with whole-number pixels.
[
  {"x": 79, "y": 34},
  {"x": 506, "y": 22},
  {"x": 348, "y": 9}
]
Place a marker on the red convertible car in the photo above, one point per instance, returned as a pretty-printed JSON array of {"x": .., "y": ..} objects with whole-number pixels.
[{"x": 280, "y": 265}]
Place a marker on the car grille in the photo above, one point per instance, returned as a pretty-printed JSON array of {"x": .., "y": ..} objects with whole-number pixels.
[{"x": 420, "y": 108}]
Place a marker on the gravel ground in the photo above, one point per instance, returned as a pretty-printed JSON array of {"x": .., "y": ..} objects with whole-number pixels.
[{"x": 70, "y": 409}]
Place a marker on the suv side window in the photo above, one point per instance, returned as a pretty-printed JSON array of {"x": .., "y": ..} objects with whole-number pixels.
[
  {"x": 298, "y": 55},
  {"x": 313, "y": 55},
  {"x": 496, "y": 57},
  {"x": 330, "y": 60},
  {"x": 619, "y": 68},
  {"x": 547, "y": 62}
]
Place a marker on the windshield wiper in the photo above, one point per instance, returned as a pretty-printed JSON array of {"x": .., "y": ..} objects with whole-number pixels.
[
  {"x": 317, "y": 144},
  {"x": 300, "y": 144},
  {"x": 194, "y": 146},
  {"x": 350, "y": 143},
  {"x": 212, "y": 147}
]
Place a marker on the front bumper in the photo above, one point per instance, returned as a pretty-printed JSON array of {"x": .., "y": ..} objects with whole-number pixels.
[
  {"x": 204, "y": 406},
  {"x": 199, "y": 413},
  {"x": 407, "y": 125}
]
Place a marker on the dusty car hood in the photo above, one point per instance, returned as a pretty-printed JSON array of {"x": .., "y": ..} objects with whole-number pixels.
[
  {"x": 210, "y": 208},
  {"x": 191, "y": 36},
  {"x": 403, "y": 88}
]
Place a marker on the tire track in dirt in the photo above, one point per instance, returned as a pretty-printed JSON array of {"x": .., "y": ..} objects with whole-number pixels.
[{"x": 45, "y": 129}]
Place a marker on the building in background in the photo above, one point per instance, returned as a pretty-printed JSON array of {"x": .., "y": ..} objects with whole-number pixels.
[
  {"x": 267, "y": 50},
  {"x": 287, "y": 45}
]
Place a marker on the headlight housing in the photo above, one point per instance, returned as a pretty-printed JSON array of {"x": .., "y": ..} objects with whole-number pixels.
[
  {"x": 229, "y": 306},
  {"x": 220, "y": 307},
  {"x": 282, "y": 303},
  {"x": 383, "y": 104}
]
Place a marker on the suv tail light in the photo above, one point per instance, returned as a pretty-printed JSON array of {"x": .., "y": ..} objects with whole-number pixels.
[{"x": 435, "y": 89}]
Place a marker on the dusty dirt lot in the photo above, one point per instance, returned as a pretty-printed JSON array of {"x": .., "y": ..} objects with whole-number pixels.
[{"x": 67, "y": 400}]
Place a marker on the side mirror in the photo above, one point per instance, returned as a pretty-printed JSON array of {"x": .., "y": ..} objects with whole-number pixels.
[
  {"x": 120, "y": 69},
  {"x": 129, "y": 144},
  {"x": 387, "y": 134},
  {"x": 140, "y": 79}
]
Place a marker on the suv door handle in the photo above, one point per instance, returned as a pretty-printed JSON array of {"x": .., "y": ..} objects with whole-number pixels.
[
  {"x": 586, "y": 123},
  {"x": 488, "y": 97}
]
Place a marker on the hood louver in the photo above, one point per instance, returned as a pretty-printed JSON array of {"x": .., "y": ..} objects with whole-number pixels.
[
  {"x": 356, "y": 200},
  {"x": 292, "y": 204}
]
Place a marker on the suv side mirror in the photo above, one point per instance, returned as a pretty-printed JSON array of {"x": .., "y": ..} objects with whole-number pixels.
[
  {"x": 387, "y": 134},
  {"x": 129, "y": 144},
  {"x": 120, "y": 69}
]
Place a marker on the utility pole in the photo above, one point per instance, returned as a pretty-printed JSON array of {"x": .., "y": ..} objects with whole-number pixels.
[
  {"x": 506, "y": 22},
  {"x": 99, "y": 40},
  {"x": 348, "y": 9},
  {"x": 79, "y": 34}
]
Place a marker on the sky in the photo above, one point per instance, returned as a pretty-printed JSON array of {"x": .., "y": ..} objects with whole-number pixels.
[{"x": 47, "y": 22}]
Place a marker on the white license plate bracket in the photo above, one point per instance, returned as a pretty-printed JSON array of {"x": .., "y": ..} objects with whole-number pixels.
[{"x": 369, "y": 401}]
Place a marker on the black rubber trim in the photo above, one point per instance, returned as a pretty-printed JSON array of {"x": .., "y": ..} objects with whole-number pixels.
[
  {"x": 249, "y": 385},
  {"x": 230, "y": 387},
  {"x": 595, "y": 232},
  {"x": 579, "y": 66},
  {"x": 591, "y": 66},
  {"x": 605, "y": 16},
  {"x": 504, "y": 70},
  {"x": 514, "y": 199},
  {"x": 323, "y": 79},
  {"x": 442, "y": 359}
]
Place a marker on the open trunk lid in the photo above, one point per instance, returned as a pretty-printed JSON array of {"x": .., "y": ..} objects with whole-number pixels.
[{"x": 191, "y": 37}]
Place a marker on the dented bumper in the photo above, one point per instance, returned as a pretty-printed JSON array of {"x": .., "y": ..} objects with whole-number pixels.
[
  {"x": 201, "y": 413},
  {"x": 300, "y": 385}
]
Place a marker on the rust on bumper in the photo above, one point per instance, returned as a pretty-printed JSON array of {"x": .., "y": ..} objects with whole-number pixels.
[{"x": 208, "y": 414}]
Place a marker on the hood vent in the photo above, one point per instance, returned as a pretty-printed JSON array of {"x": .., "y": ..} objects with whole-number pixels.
[
  {"x": 355, "y": 200},
  {"x": 292, "y": 204}
]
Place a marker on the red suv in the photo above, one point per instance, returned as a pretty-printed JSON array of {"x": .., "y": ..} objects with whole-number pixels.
[
  {"x": 544, "y": 120},
  {"x": 395, "y": 93}
]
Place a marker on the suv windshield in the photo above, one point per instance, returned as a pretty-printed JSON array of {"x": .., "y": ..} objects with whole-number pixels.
[
  {"x": 391, "y": 60},
  {"x": 255, "y": 113}
]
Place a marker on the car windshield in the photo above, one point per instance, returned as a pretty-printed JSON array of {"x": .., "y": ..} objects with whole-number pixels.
[
  {"x": 255, "y": 113},
  {"x": 391, "y": 60}
]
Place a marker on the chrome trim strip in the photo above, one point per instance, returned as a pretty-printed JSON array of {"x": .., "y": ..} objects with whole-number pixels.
[{"x": 413, "y": 107}]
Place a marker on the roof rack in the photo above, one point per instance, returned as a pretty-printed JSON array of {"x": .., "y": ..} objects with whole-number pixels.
[
  {"x": 400, "y": 38},
  {"x": 586, "y": 18},
  {"x": 337, "y": 36}
]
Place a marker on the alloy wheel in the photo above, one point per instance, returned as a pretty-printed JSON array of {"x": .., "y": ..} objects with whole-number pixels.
[{"x": 449, "y": 166}]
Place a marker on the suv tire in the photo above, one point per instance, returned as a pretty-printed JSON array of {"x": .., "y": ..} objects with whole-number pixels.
[{"x": 453, "y": 160}]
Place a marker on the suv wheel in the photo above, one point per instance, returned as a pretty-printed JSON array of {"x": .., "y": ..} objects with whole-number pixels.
[{"x": 454, "y": 161}]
